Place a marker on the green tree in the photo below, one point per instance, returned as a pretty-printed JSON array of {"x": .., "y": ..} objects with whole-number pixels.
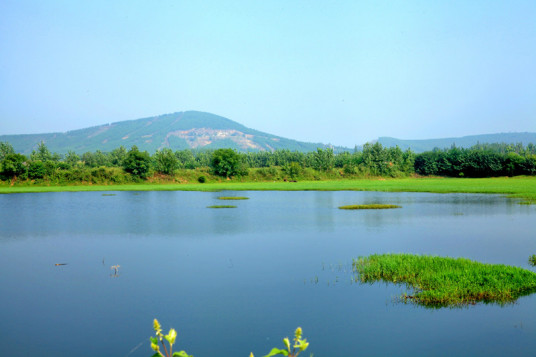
[
  {"x": 137, "y": 163},
  {"x": 43, "y": 154},
  {"x": 14, "y": 165},
  {"x": 227, "y": 163},
  {"x": 5, "y": 149},
  {"x": 165, "y": 161},
  {"x": 117, "y": 156},
  {"x": 72, "y": 158},
  {"x": 323, "y": 159}
]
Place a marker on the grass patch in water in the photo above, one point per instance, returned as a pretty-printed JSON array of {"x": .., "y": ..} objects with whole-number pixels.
[
  {"x": 370, "y": 206},
  {"x": 532, "y": 260},
  {"x": 442, "y": 281},
  {"x": 108, "y": 194},
  {"x": 221, "y": 206},
  {"x": 233, "y": 198}
]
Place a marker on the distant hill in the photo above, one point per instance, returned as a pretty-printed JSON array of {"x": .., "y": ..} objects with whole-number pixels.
[
  {"x": 462, "y": 142},
  {"x": 178, "y": 131}
]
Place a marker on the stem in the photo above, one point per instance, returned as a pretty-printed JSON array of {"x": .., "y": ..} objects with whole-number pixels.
[{"x": 165, "y": 349}]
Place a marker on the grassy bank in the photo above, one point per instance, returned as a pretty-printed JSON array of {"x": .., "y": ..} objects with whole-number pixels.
[
  {"x": 438, "y": 281},
  {"x": 523, "y": 187}
]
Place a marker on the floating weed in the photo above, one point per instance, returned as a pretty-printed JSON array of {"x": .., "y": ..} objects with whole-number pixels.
[
  {"x": 443, "y": 281},
  {"x": 527, "y": 202},
  {"x": 233, "y": 198},
  {"x": 108, "y": 194},
  {"x": 370, "y": 206},
  {"x": 221, "y": 206},
  {"x": 532, "y": 260}
]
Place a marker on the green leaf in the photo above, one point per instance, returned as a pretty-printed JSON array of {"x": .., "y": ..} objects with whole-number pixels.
[
  {"x": 277, "y": 351},
  {"x": 171, "y": 336},
  {"x": 157, "y": 355},
  {"x": 181, "y": 354},
  {"x": 154, "y": 340}
]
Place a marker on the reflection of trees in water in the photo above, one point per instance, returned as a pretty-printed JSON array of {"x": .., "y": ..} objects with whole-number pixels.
[{"x": 324, "y": 210}]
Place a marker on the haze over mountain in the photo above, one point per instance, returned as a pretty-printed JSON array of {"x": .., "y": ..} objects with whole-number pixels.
[
  {"x": 462, "y": 142},
  {"x": 178, "y": 131}
]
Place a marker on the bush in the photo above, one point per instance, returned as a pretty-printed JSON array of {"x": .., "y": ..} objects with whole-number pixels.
[
  {"x": 36, "y": 170},
  {"x": 202, "y": 179}
]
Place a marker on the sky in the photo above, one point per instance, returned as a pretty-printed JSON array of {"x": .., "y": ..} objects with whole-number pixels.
[{"x": 338, "y": 72}]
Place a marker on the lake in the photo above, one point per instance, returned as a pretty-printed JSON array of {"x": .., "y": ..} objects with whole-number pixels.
[{"x": 235, "y": 281}]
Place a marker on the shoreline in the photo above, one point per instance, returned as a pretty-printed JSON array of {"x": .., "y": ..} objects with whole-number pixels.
[{"x": 521, "y": 187}]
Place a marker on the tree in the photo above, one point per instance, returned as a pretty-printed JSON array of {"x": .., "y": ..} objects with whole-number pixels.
[
  {"x": 43, "y": 154},
  {"x": 14, "y": 165},
  {"x": 137, "y": 163},
  {"x": 72, "y": 158},
  {"x": 165, "y": 161},
  {"x": 227, "y": 163},
  {"x": 323, "y": 159},
  {"x": 117, "y": 156},
  {"x": 5, "y": 149}
]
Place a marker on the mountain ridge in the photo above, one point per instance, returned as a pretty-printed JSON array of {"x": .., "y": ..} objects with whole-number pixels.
[
  {"x": 422, "y": 145},
  {"x": 178, "y": 131}
]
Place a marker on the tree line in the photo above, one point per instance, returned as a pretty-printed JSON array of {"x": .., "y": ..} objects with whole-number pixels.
[{"x": 123, "y": 166}]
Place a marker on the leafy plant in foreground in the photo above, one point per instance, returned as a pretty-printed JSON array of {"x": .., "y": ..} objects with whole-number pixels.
[
  {"x": 170, "y": 338},
  {"x": 300, "y": 345}
]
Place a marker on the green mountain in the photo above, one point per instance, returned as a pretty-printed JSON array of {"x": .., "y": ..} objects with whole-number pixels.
[
  {"x": 178, "y": 131},
  {"x": 462, "y": 142}
]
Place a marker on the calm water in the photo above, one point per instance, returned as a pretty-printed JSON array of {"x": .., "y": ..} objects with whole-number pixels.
[{"x": 232, "y": 281}]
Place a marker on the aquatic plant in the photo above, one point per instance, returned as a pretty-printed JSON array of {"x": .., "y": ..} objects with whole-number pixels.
[
  {"x": 370, "y": 206},
  {"x": 232, "y": 198},
  {"x": 170, "y": 338},
  {"x": 300, "y": 345},
  {"x": 532, "y": 260},
  {"x": 221, "y": 206},
  {"x": 442, "y": 281}
]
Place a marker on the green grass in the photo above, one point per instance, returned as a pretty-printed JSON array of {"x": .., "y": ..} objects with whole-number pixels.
[
  {"x": 522, "y": 187},
  {"x": 370, "y": 206},
  {"x": 232, "y": 198},
  {"x": 221, "y": 206},
  {"x": 438, "y": 281}
]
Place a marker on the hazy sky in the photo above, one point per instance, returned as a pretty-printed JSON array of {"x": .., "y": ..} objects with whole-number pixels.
[{"x": 340, "y": 72}]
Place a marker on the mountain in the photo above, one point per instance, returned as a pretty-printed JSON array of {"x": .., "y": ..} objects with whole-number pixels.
[
  {"x": 178, "y": 131},
  {"x": 462, "y": 142}
]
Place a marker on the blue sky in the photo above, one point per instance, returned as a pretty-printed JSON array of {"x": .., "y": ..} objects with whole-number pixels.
[{"x": 340, "y": 72}]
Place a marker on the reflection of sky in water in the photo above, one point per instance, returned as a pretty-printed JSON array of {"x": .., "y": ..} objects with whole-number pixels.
[{"x": 243, "y": 278}]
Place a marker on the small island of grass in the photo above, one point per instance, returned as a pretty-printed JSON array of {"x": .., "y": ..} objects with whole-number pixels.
[
  {"x": 443, "y": 281},
  {"x": 532, "y": 260},
  {"x": 221, "y": 206},
  {"x": 233, "y": 198},
  {"x": 370, "y": 206}
]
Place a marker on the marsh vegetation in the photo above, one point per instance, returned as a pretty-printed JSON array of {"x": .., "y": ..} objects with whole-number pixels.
[
  {"x": 443, "y": 281},
  {"x": 370, "y": 206},
  {"x": 233, "y": 198}
]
